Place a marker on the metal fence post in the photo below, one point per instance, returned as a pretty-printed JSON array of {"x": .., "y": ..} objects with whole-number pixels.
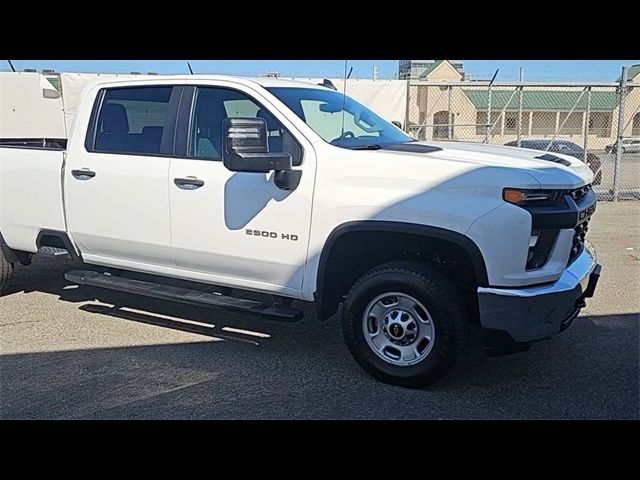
[
  {"x": 620, "y": 135},
  {"x": 488, "y": 134},
  {"x": 586, "y": 124},
  {"x": 520, "y": 116},
  {"x": 520, "y": 100},
  {"x": 408, "y": 102},
  {"x": 450, "y": 126}
]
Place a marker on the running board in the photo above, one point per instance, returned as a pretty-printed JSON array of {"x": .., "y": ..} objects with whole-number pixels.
[
  {"x": 184, "y": 295},
  {"x": 55, "y": 252}
]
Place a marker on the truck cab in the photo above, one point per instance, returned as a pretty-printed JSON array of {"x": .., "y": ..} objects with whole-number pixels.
[{"x": 296, "y": 190}]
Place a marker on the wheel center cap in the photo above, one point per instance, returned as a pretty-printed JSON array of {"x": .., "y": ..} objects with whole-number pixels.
[{"x": 396, "y": 330}]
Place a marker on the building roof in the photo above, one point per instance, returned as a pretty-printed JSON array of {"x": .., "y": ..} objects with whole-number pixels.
[
  {"x": 431, "y": 68},
  {"x": 634, "y": 71},
  {"x": 542, "y": 100}
]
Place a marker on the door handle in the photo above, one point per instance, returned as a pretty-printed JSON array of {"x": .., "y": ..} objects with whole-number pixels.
[
  {"x": 84, "y": 174},
  {"x": 188, "y": 183}
]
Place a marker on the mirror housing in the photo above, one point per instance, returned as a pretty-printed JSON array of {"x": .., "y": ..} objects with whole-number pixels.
[
  {"x": 245, "y": 147},
  {"x": 397, "y": 124}
]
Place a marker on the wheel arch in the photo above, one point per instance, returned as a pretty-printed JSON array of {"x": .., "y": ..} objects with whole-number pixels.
[{"x": 334, "y": 278}]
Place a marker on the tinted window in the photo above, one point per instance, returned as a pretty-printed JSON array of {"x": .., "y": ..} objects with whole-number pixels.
[
  {"x": 213, "y": 105},
  {"x": 132, "y": 120},
  {"x": 339, "y": 120}
]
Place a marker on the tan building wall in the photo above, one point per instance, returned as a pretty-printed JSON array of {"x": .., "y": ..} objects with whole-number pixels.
[{"x": 429, "y": 105}]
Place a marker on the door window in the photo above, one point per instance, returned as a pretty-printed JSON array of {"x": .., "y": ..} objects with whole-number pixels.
[
  {"x": 214, "y": 105},
  {"x": 132, "y": 120}
]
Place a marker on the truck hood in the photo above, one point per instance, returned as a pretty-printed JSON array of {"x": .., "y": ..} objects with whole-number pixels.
[{"x": 549, "y": 174}]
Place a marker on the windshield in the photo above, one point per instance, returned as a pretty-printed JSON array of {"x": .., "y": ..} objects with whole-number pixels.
[{"x": 323, "y": 110}]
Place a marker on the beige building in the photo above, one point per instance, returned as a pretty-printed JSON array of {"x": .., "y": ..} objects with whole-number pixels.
[{"x": 461, "y": 111}]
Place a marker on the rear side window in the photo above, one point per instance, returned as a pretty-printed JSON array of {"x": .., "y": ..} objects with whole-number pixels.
[{"x": 132, "y": 120}]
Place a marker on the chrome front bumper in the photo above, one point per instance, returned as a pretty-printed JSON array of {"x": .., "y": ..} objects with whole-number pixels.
[{"x": 523, "y": 315}]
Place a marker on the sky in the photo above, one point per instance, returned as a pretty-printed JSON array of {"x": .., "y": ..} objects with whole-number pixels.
[{"x": 535, "y": 70}]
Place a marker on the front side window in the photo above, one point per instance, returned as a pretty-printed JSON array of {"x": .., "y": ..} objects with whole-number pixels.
[
  {"x": 214, "y": 105},
  {"x": 339, "y": 120},
  {"x": 132, "y": 120}
]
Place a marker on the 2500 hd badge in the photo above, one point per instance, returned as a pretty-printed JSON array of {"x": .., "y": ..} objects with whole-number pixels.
[{"x": 267, "y": 234}]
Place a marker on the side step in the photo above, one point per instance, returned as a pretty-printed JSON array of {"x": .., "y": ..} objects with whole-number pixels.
[
  {"x": 184, "y": 295},
  {"x": 55, "y": 252}
]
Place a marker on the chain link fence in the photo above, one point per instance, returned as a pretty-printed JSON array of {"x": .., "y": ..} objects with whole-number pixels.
[{"x": 599, "y": 123}]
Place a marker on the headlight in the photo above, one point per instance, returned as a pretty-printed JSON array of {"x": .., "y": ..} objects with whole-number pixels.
[{"x": 532, "y": 198}]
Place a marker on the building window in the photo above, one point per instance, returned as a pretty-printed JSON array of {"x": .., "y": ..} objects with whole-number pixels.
[
  {"x": 441, "y": 125},
  {"x": 635, "y": 128},
  {"x": 543, "y": 123},
  {"x": 511, "y": 123},
  {"x": 481, "y": 121},
  {"x": 496, "y": 123},
  {"x": 571, "y": 124},
  {"x": 600, "y": 124}
]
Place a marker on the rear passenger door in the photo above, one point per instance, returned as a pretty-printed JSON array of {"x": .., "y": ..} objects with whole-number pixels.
[{"x": 116, "y": 195}]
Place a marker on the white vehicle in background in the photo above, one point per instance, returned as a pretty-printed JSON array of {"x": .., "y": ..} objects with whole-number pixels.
[
  {"x": 628, "y": 145},
  {"x": 294, "y": 190}
]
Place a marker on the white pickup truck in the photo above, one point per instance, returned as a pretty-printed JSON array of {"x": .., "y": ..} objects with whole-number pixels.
[{"x": 298, "y": 191}]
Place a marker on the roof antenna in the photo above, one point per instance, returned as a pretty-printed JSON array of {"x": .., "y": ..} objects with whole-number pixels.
[
  {"x": 328, "y": 83},
  {"x": 190, "y": 69},
  {"x": 11, "y": 65}
]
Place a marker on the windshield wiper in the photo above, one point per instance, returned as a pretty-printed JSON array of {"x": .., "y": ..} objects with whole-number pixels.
[{"x": 368, "y": 147}]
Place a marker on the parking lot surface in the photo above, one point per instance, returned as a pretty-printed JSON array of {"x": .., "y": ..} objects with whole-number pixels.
[{"x": 66, "y": 355}]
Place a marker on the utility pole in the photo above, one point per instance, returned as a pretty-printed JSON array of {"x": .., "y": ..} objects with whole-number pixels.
[{"x": 375, "y": 73}]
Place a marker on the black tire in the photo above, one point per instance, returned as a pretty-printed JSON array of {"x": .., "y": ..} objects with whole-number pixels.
[
  {"x": 6, "y": 272},
  {"x": 438, "y": 295}
]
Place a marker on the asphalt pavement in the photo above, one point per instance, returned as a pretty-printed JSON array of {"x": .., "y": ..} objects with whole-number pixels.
[{"x": 69, "y": 353}]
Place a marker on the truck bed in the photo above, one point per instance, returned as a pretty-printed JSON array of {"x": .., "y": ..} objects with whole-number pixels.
[
  {"x": 37, "y": 143},
  {"x": 31, "y": 196}
]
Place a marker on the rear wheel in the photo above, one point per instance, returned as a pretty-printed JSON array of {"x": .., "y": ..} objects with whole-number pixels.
[
  {"x": 6, "y": 272},
  {"x": 404, "y": 323}
]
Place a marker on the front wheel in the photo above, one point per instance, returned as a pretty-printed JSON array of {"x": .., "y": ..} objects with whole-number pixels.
[
  {"x": 6, "y": 272},
  {"x": 404, "y": 323}
]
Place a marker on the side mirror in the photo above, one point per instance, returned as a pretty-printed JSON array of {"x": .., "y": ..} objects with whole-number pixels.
[
  {"x": 397, "y": 124},
  {"x": 246, "y": 147}
]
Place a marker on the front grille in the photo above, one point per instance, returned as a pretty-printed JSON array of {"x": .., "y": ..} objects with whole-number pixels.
[
  {"x": 580, "y": 231},
  {"x": 579, "y": 234}
]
